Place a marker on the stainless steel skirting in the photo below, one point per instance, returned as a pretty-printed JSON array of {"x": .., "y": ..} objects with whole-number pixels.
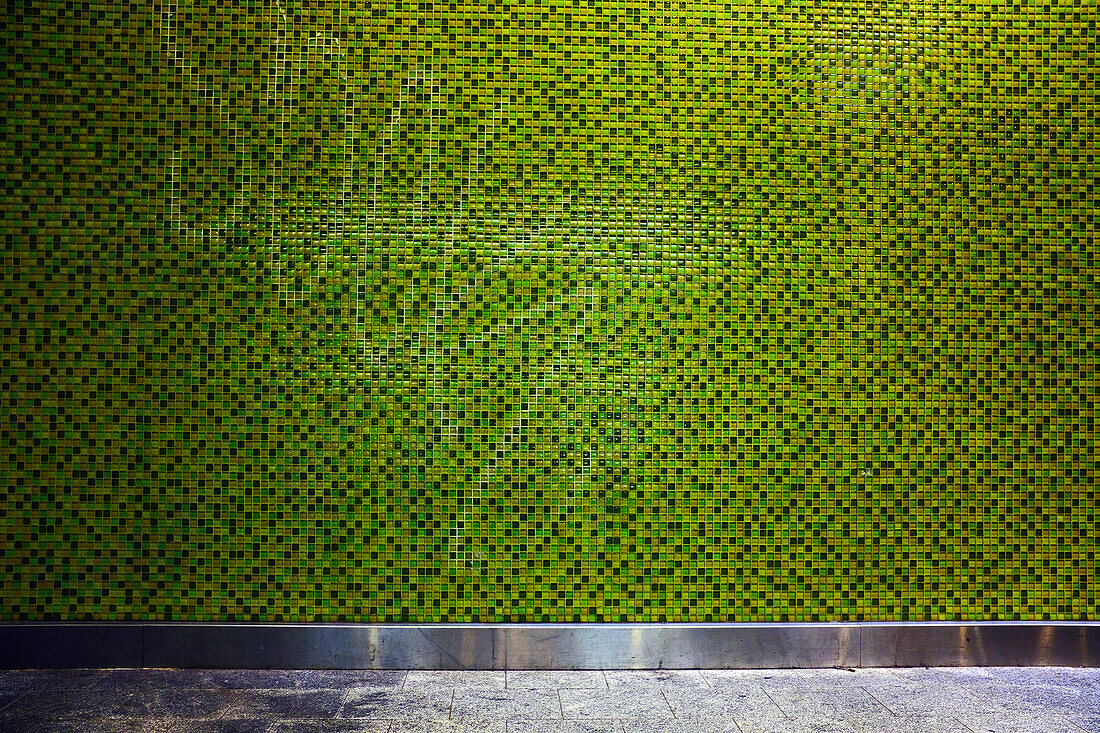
[{"x": 548, "y": 646}]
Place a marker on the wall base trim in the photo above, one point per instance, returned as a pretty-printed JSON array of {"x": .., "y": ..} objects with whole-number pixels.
[{"x": 549, "y": 646}]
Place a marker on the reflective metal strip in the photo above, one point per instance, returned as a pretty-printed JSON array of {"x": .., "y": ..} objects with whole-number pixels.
[{"x": 549, "y": 646}]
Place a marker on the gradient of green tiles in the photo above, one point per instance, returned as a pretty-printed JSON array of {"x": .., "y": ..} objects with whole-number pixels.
[{"x": 615, "y": 311}]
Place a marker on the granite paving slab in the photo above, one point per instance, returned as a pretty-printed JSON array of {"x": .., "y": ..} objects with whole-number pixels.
[
  {"x": 565, "y": 726},
  {"x": 795, "y": 726},
  {"x": 451, "y": 678},
  {"x": 681, "y": 726},
  {"x": 1083, "y": 678},
  {"x": 12, "y": 688},
  {"x": 768, "y": 679},
  {"x": 841, "y": 679},
  {"x": 911, "y": 724},
  {"x": 243, "y": 725},
  {"x": 639, "y": 703},
  {"x": 277, "y": 704},
  {"x": 345, "y": 678},
  {"x": 653, "y": 679},
  {"x": 847, "y": 706},
  {"x": 556, "y": 679},
  {"x": 926, "y": 700},
  {"x": 397, "y": 703},
  {"x": 726, "y": 701},
  {"x": 480, "y": 703},
  {"x": 1089, "y": 722},
  {"x": 1031, "y": 724},
  {"x": 55, "y": 694},
  {"x": 333, "y": 726},
  {"x": 450, "y": 726},
  {"x": 246, "y": 679},
  {"x": 938, "y": 697},
  {"x": 89, "y": 725}
]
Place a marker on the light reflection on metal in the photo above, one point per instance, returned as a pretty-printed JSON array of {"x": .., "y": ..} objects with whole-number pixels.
[
  {"x": 1045, "y": 647},
  {"x": 550, "y": 646}
]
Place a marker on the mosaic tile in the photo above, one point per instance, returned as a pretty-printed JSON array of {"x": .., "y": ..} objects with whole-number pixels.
[{"x": 557, "y": 311}]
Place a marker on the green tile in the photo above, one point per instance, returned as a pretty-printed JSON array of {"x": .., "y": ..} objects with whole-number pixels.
[{"x": 553, "y": 311}]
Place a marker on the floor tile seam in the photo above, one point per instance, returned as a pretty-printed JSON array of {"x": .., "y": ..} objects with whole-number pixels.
[
  {"x": 16, "y": 700},
  {"x": 664, "y": 697},
  {"x": 343, "y": 701},
  {"x": 1079, "y": 726},
  {"x": 782, "y": 712},
  {"x": 880, "y": 702},
  {"x": 985, "y": 699}
]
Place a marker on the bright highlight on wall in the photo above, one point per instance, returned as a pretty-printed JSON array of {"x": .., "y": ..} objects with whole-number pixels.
[{"x": 595, "y": 311}]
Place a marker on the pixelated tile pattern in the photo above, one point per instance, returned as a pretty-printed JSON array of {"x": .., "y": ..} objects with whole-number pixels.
[{"x": 569, "y": 310}]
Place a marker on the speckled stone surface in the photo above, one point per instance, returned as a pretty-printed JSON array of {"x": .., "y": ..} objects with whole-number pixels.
[
  {"x": 942, "y": 700},
  {"x": 539, "y": 679}
]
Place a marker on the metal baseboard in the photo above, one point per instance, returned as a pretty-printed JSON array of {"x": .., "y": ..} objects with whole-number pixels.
[{"x": 548, "y": 646}]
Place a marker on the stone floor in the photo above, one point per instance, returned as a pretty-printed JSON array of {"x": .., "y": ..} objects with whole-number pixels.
[{"x": 758, "y": 701}]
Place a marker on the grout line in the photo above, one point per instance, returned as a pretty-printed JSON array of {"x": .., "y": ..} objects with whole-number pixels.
[
  {"x": 665, "y": 698},
  {"x": 781, "y": 710},
  {"x": 13, "y": 702},
  {"x": 705, "y": 680},
  {"x": 235, "y": 695},
  {"x": 1075, "y": 724},
  {"x": 979, "y": 698},
  {"x": 880, "y": 702},
  {"x": 343, "y": 702},
  {"x": 561, "y": 705}
]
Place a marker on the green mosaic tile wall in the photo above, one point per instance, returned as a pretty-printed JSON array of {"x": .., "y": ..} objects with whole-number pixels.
[{"x": 580, "y": 310}]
